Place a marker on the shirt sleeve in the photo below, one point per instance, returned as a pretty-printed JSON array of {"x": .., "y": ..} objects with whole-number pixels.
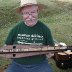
[{"x": 49, "y": 38}]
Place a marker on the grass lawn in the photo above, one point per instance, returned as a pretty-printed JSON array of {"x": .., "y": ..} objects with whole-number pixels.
[{"x": 58, "y": 16}]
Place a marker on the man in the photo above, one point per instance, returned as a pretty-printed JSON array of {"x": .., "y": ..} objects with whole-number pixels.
[{"x": 30, "y": 31}]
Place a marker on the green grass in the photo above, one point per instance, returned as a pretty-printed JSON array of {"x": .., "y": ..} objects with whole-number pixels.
[
  {"x": 61, "y": 27},
  {"x": 58, "y": 16}
]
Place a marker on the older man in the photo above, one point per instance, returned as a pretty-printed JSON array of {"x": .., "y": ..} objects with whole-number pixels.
[{"x": 30, "y": 31}]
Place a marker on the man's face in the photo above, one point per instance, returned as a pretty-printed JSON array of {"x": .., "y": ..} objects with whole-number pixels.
[{"x": 30, "y": 15}]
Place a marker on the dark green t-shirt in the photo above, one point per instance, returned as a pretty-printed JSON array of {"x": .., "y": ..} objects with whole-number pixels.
[{"x": 22, "y": 34}]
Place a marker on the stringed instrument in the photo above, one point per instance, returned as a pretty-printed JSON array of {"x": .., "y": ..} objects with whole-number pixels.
[
  {"x": 17, "y": 51},
  {"x": 64, "y": 59}
]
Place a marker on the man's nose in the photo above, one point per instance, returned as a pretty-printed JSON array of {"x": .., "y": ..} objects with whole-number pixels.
[{"x": 30, "y": 16}]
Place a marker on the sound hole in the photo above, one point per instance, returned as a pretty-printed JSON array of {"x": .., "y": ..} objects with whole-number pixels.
[
  {"x": 14, "y": 47},
  {"x": 14, "y": 55}
]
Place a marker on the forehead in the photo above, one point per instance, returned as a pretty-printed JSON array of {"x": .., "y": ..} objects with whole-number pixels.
[{"x": 30, "y": 8}]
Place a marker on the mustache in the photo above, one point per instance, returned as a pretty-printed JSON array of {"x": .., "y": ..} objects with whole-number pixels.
[{"x": 30, "y": 19}]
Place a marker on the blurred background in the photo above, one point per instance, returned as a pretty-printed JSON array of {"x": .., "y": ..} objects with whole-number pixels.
[{"x": 57, "y": 16}]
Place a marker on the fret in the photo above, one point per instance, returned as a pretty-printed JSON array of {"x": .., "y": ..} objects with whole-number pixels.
[{"x": 16, "y": 51}]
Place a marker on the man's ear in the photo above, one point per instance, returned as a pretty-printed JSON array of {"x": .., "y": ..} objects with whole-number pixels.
[{"x": 38, "y": 10}]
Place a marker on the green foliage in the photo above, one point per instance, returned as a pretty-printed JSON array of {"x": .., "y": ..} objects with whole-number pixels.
[
  {"x": 4, "y": 63},
  {"x": 61, "y": 27}
]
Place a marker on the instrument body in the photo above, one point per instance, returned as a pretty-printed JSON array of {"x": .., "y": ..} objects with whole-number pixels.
[
  {"x": 17, "y": 51},
  {"x": 63, "y": 59}
]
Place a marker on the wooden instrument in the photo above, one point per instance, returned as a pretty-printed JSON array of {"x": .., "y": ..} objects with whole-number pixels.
[
  {"x": 64, "y": 59},
  {"x": 17, "y": 51}
]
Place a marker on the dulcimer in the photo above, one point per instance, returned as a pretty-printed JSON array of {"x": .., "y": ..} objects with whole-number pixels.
[{"x": 18, "y": 51}]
